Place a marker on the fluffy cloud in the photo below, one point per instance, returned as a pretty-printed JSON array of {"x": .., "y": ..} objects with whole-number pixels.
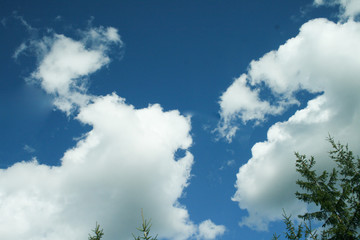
[
  {"x": 124, "y": 164},
  {"x": 208, "y": 230},
  {"x": 65, "y": 64},
  {"x": 349, "y": 8},
  {"x": 240, "y": 101},
  {"x": 322, "y": 59}
]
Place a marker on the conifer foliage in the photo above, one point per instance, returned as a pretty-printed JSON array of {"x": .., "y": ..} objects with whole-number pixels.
[
  {"x": 145, "y": 230},
  {"x": 99, "y": 233},
  {"x": 336, "y": 193}
]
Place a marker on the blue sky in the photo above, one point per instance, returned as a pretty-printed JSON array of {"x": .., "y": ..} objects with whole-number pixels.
[{"x": 191, "y": 110}]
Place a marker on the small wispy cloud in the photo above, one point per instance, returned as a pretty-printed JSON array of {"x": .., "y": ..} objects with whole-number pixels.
[
  {"x": 3, "y": 22},
  {"x": 29, "y": 149},
  {"x": 229, "y": 163},
  {"x": 28, "y": 27},
  {"x": 19, "y": 50},
  {"x": 208, "y": 230},
  {"x": 58, "y": 18}
]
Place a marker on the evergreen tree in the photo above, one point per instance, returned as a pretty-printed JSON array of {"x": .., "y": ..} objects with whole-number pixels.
[
  {"x": 145, "y": 229},
  {"x": 98, "y": 233},
  {"x": 337, "y": 194}
]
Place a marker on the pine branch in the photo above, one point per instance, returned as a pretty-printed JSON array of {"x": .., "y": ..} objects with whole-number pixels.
[
  {"x": 145, "y": 229},
  {"x": 98, "y": 233}
]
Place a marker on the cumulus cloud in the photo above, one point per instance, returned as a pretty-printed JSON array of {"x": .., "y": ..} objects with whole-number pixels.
[
  {"x": 239, "y": 101},
  {"x": 66, "y": 63},
  {"x": 125, "y": 163},
  {"x": 322, "y": 59},
  {"x": 349, "y": 8},
  {"x": 208, "y": 230}
]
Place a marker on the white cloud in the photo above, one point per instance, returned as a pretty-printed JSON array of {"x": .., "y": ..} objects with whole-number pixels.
[
  {"x": 240, "y": 101},
  {"x": 349, "y": 8},
  {"x": 112, "y": 34},
  {"x": 125, "y": 163},
  {"x": 208, "y": 230},
  {"x": 66, "y": 63},
  {"x": 100, "y": 37},
  {"x": 322, "y": 58}
]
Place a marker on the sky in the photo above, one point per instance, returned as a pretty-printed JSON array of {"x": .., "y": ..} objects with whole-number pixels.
[{"x": 189, "y": 110}]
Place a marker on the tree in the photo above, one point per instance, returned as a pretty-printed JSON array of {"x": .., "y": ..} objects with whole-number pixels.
[
  {"x": 337, "y": 194},
  {"x": 293, "y": 233},
  {"x": 98, "y": 233},
  {"x": 145, "y": 229}
]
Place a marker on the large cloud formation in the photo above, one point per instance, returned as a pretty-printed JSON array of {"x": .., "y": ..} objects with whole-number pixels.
[
  {"x": 124, "y": 164},
  {"x": 322, "y": 59}
]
